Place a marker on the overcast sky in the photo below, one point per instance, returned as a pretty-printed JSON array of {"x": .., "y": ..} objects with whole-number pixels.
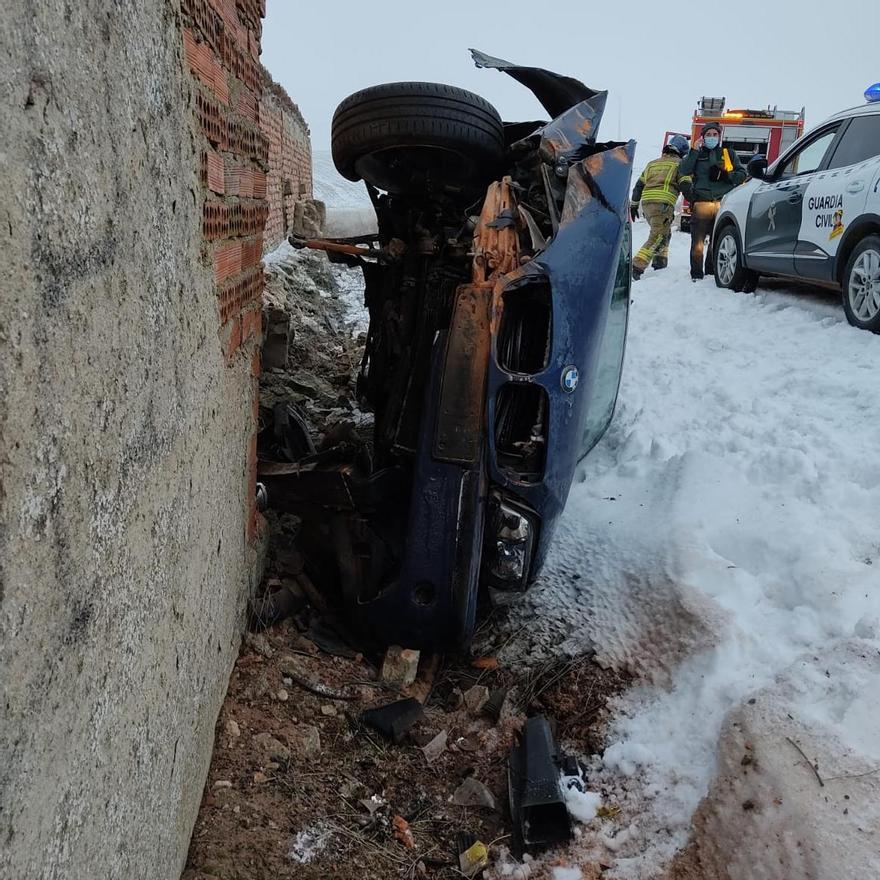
[{"x": 655, "y": 59}]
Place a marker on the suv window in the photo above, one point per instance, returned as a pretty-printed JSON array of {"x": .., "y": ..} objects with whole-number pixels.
[
  {"x": 809, "y": 158},
  {"x": 859, "y": 142}
]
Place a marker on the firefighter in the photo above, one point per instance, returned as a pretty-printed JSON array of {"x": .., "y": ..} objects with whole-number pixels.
[
  {"x": 705, "y": 175},
  {"x": 657, "y": 190}
]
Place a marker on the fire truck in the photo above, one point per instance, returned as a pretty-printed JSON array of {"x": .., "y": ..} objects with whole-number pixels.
[{"x": 750, "y": 132}]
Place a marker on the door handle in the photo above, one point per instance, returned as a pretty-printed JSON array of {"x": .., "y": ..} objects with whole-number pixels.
[{"x": 856, "y": 187}]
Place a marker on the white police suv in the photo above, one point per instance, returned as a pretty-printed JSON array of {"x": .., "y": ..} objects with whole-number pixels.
[{"x": 814, "y": 214}]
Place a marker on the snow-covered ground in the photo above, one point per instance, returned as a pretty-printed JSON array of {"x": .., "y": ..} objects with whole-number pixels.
[{"x": 723, "y": 542}]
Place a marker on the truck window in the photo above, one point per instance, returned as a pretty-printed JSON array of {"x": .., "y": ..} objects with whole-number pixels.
[
  {"x": 860, "y": 141},
  {"x": 810, "y": 156}
]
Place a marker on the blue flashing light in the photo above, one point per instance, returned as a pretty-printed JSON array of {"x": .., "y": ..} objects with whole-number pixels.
[{"x": 872, "y": 93}]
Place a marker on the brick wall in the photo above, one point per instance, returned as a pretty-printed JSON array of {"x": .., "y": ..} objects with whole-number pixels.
[
  {"x": 255, "y": 143},
  {"x": 290, "y": 158}
]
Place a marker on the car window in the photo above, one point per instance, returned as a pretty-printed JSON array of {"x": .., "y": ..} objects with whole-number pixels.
[
  {"x": 859, "y": 142},
  {"x": 601, "y": 406},
  {"x": 809, "y": 157}
]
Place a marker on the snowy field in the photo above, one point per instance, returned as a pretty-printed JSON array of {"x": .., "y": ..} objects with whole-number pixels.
[{"x": 723, "y": 542}]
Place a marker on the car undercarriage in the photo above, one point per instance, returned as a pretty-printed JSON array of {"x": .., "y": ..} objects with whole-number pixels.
[{"x": 497, "y": 287}]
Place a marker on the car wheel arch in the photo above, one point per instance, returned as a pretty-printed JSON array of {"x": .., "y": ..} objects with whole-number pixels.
[
  {"x": 729, "y": 220},
  {"x": 867, "y": 224}
]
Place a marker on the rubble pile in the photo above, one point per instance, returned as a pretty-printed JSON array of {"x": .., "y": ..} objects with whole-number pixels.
[{"x": 314, "y": 338}]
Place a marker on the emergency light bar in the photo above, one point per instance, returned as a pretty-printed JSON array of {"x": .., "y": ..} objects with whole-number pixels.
[{"x": 872, "y": 93}]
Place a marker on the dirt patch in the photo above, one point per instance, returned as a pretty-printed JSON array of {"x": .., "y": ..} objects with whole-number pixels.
[{"x": 300, "y": 787}]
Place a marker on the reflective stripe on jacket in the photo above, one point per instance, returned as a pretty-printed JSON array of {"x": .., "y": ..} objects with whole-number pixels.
[{"x": 659, "y": 181}]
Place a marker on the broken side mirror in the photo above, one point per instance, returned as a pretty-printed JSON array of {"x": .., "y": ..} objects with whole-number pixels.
[{"x": 757, "y": 167}]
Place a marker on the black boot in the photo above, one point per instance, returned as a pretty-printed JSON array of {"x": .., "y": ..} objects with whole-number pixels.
[
  {"x": 637, "y": 273},
  {"x": 659, "y": 263}
]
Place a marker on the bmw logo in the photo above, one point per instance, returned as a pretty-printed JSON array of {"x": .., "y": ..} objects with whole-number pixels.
[{"x": 569, "y": 380}]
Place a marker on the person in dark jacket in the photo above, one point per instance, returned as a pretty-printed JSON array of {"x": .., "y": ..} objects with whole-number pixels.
[{"x": 705, "y": 175}]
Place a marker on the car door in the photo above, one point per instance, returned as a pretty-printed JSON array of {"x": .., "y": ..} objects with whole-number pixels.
[
  {"x": 838, "y": 195},
  {"x": 774, "y": 222}
]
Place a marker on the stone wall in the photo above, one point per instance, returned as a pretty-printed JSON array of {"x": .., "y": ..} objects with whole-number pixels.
[{"x": 132, "y": 227}]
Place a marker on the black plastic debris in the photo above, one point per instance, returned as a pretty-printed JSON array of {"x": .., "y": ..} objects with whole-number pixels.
[
  {"x": 537, "y": 806},
  {"x": 495, "y": 704},
  {"x": 393, "y": 720},
  {"x": 330, "y": 636}
]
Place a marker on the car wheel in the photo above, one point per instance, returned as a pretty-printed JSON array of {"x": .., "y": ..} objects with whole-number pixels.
[
  {"x": 861, "y": 285},
  {"x": 730, "y": 273},
  {"x": 418, "y": 138}
]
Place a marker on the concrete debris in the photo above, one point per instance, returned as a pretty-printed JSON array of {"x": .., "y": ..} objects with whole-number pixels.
[
  {"x": 328, "y": 709},
  {"x": 281, "y": 695},
  {"x": 260, "y": 778},
  {"x": 433, "y": 749},
  {"x": 472, "y": 793},
  {"x": 258, "y": 643},
  {"x": 373, "y": 803},
  {"x": 222, "y": 783},
  {"x": 400, "y": 666},
  {"x": 305, "y": 741},
  {"x": 475, "y": 698},
  {"x": 232, "y": 729},
  {"x": 271, "y": 748}
]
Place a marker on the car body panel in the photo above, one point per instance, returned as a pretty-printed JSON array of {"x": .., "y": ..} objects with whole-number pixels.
[
  {"x": 587, "y": 266},
  {"x": 800, "y": 225}
]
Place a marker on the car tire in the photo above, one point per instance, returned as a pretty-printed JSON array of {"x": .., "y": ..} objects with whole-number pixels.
[
  {"x": 416, "y": 137},
  {"x": 727, "y": 264},
  {"x": 861, "y": 285}
]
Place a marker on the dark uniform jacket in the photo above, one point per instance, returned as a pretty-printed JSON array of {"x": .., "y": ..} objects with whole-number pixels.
[{"x": 707, "y": 175}]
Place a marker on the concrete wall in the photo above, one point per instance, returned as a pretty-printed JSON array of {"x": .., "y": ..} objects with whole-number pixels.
[{"x": 126, "y": 434}]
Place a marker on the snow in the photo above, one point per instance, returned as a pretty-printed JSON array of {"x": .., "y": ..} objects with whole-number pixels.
[
  {"x": 582, "y": 805},
  {"x": 349, "y": 210},
  {"x": 722, "y": 535},
  {"x": 309, "y": 843},
  {"x": 567, "y": 874}
]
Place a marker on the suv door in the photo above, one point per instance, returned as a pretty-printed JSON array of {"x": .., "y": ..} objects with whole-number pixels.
[
  {"x": 776, "y": 206},
  {"x": 837, "y": 196}
]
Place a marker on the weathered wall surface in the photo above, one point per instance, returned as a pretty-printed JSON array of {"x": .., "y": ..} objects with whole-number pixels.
[
  {"x": 127, "y": 419},
  {"x": 289, "y": 182}
]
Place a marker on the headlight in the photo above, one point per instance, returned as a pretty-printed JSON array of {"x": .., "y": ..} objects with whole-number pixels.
[{"x": 509, "y": 544}]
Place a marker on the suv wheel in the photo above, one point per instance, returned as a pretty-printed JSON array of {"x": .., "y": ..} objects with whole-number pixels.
[
  {"x": 415, "y": 138},
  {"x": 730, "y": 273},
  {"x": 861, "y": 285}
]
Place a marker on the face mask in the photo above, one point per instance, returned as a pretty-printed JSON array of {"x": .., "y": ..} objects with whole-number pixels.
[{"x": 711, "y": 142}]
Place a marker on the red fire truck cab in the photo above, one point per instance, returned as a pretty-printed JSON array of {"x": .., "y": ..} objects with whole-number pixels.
[{"x": 750, "y": 132}]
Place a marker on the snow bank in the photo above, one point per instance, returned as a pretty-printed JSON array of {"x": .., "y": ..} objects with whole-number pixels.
[{"x": 723, "y": 534}]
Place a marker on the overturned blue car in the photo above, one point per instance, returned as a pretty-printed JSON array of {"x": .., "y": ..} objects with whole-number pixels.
[{"x": 498, "y": 293}]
